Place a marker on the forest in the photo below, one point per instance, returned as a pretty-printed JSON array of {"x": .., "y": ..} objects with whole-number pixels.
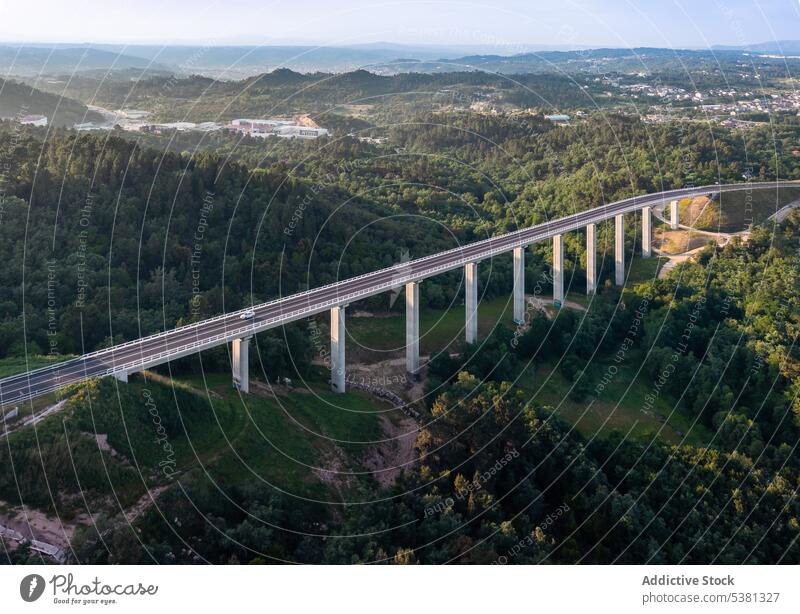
[
  {"x": 322, "y": 95},
  {"x": 504, "y": 480},
  {"x": 105, "y": 229},
  {"x": 105, "y": 238}
]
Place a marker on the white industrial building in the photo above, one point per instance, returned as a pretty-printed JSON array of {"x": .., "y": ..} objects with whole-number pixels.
[
  {"x": 286, "y": 129},
  {"x": 258, "y": 126},
  {"x": 33, "y": 120},
  {"x": 300, "y": 132}
]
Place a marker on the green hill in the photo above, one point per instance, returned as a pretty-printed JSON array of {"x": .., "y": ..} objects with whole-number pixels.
[
  {"x": 18, "y": 99},
  {"x": 110, "y": 442}
]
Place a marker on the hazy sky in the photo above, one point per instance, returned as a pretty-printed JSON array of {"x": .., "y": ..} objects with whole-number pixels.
[{"x": 508, "y": 24}]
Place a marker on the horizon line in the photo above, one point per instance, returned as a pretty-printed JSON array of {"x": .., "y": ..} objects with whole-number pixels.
[{"x": 484, "y": 48}]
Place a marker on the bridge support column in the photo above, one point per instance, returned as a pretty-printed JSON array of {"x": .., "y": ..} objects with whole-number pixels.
[
  {"x": 673, "y": 214},
  {"x": 519, "y": 285},
  {"x": 619, "y": 250},
  {"x": 471, "y": 301},
  {"x": 647, "y": 232},
  {"x": 337, "y": 349},
  {"x": 591, "y": 256},
  {"x": 412, "y": 327},
  {"x": 240, "y": 363},
  {"x": 558, "y": 270},
  {"x": 121, "y": 376}
]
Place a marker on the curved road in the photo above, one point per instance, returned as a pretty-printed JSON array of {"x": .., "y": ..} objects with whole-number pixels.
[{"x": 162, "y": 347}]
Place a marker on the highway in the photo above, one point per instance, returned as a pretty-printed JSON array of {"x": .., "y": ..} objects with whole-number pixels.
[{"x": 162, "y": 347}]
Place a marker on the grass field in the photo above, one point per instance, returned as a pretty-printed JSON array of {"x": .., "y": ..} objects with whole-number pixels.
[
  {"x": 279, "y": 437},
  {"x": 382, "y": 336},
  {"x": 117, "y": 437},
  {"x": 644, "y": 269},
  {"x": 14, "y": 365},
  {"x": 377, "y": 338},
  {"x": 619, "y": 406}
]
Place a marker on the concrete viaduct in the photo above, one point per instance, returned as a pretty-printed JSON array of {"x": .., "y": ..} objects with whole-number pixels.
[{"x": 121, "y": 360}]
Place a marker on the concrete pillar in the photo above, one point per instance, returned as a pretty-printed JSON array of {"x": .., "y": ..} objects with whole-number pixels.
[
  {"x": 673, "y": 215},
  {"x": 471, "y": 301},
  {"x": 240, "y": 363},
  {"x": 619, "y": 249},
  {"x": 519, "y": 285},
  {"x": 647, "y": 232},
  {"x": 558, "y": 269},
  {"x": 121, "y": 376},
  {"x": 591, "y": 256},
  {"x": 337, "y": 349},
  {"x": 412, "y": 327}
]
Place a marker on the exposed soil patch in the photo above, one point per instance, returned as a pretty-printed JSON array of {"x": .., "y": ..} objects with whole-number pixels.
[
  {"x": 675, "y": 260},
  {"x": 388, "y": 459},
  {"x": 168, "y": 381},
  {"x": 389, "y": 374},
  {"x": 546, "y": 306},
  {"x": 332, "y": 470},
  {"x": 416, "y": 393},
  {"x": 275, "y": 390},
  {"x": 102, "y": 443},
  {"x": 33, "y": 524},
  {"x": 358, "y": 109},
  {"x": 673, "y": 242}
]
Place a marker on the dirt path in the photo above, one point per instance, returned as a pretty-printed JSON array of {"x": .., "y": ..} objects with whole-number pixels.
[
  {"x": 670, "y": 264},
  {"x": 332, "y": 469},
  {"x": 145, "y": 501},
  {"x": 546, "y": 307},
  {"x": 674, "y": 260},
  {"x": 784, "y": 211},
  {"x": 685, "y": 233},
  {"x": 388, "y": 459}
]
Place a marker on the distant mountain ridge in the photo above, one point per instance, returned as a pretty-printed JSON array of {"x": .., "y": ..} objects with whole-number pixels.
[
  {"x": 230, "y": 63},
  {"x": 32, "y": 60},
  {"x": 785, "y": 47},
  {"x": 623, "y": 60}
]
